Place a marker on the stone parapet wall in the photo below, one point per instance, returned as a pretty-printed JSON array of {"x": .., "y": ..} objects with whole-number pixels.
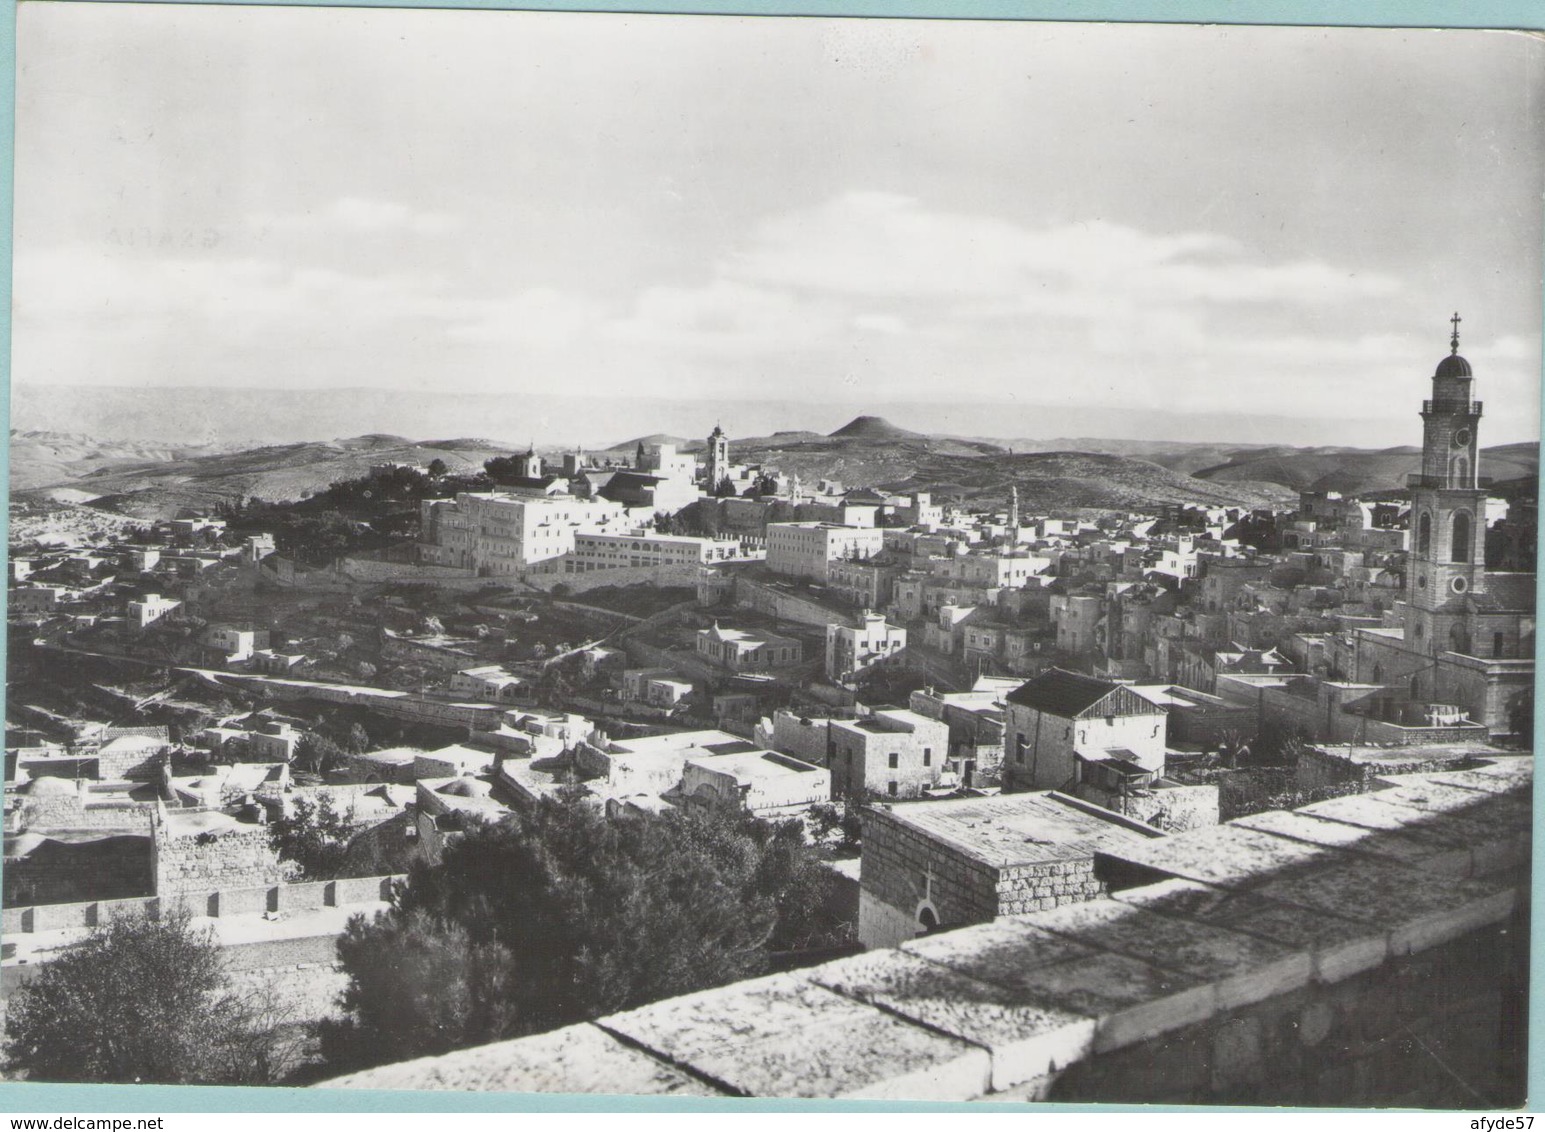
[
  {"x": 1365, "y": 951},
  {"x": 219, "y": 903}
]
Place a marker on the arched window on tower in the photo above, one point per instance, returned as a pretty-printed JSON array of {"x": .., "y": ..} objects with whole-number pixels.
[
  {"x": 1424, "y": 534},
  {"x": 1459, "y": 546},
  {"x": 1461, "y": 471}
]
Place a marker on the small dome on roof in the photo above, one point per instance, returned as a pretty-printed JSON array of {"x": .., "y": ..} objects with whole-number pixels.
[
  {"x": 466, "y": 788},
  {"x": 55, "y": 786},
  {"x": 1453, "y": 366}
]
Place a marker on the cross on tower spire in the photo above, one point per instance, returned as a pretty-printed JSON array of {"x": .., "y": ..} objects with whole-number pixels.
[{"x": 1454, "y": 341}]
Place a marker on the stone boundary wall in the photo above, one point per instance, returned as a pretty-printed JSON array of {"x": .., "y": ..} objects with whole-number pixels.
[
  {"x": 685, "y": 577},
  {"x": 754, "y": 595},
  {"x": 1318, "y": 769},
  {"x": 1371, "y": 926},
  {"x": 477, "y": 717},
  {"x": 374, "y": 570},
  {"x": 217, "y": 902},
  {"x": 1284, "y": 709}
]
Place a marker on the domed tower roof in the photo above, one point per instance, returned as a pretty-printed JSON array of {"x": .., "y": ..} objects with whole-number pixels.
[{"x": 1453, "y": 365}]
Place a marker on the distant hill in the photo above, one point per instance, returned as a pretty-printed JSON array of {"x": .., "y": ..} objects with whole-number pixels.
[
  {"x": 874, "y": 428},
  {"x": 1056, "y": 480},
  {"x": 156, "y": 484},
  {"x": 877, "y": 454},
  {"x": 40, "y": 457},
  {"x": 628, "y": 447},
  {"x": 1354, "y": 472},
  {"x": 148, "y": 480}
]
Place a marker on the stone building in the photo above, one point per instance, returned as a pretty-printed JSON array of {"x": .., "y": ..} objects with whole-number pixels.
[
  {"x": 1062, "y": 728},
  {"x": 804, "y": 550},
  {"x": 894, "y": 753},
  {"x": 764, "y": 783},
  {"x": 748, "y": 650},
  {"x": 499, "y": 533},
  {"x": 851, "y": 650},
  {"x": 941, "y": 865}
]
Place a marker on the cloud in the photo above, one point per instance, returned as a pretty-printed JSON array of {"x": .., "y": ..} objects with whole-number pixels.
[
  {"x": 360, "y": 215},
  {"x": 160, "y": 318},
  {"x": 928, "y": 299}
]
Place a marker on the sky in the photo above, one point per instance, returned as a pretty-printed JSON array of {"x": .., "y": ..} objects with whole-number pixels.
[{"x": 1212, "y": 222}]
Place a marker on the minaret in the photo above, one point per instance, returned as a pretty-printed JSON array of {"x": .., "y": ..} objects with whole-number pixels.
[
  {"x": 1013, "y": 514},
  {"x": 718, "y": 457},
  {"x": 1448, "y": 509}
]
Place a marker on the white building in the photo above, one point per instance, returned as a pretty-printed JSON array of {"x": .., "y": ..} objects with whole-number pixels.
[
  {"x": 150, "y": 609},
  {"x": 803, "y": 550},
  {"x": 762, "y": 782},
  {"x": 498, "y": 533},
  {"x": 487, "y": 682},
  {"x": 237, "y": 645},
  {"x": 593, "y": 551},
  {"x": 895, "y": 753},
  {"x": 850, "y": 651}
]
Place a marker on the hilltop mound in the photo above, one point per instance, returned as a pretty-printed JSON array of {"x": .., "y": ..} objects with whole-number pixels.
[
  {"x": 874, "y": 428},
  {"x": 627, "y": 447}
]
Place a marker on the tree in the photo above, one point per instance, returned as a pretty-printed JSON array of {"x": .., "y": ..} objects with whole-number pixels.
[
  {"x": 725, "y": 488},
  {"x": 421, "y": 989},
  {"x": 318, "y": 753},
  {"x": 314, "y": 835},
  {"x": 502, "y": 469},
  {"x": 847, "y": 820},
  {"x": 141, "y": 1000},
  {"x": 559, "y": 914},
  {"x": 437, "y": 468}
]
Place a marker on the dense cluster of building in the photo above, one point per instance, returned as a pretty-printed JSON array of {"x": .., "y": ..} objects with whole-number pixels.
[{"x": 1011, "y": 694}]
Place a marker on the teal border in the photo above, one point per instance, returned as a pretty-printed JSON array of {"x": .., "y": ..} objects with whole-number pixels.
[{"x": 25, "y": 1099}]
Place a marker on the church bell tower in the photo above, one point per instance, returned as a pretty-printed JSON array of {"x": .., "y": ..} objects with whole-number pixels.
[
  {"x": 1448, "y": 513},
  {"x": 718, "y": 457}
]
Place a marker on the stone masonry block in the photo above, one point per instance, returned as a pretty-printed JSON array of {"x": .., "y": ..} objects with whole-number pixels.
[
  {"x": 1132, "y": 1000},
  {"x": 576, "y": 1059},
  {"x": 1026, "y": 1040},
  {"x": 1338, "y": 835},
  {"x": 1418, "y": 909},
  {"x": 1242, "y": 968},
  {"x": 785, "y": 1036},
  {"x": 1338, "y": 947},
  {"x": 1226, "y": 855}
]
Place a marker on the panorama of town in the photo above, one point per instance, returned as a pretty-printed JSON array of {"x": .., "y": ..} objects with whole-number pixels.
[{"x": 1303, "y": 729}]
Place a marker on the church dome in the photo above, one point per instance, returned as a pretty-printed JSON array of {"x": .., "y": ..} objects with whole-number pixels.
[{"x": 1453, "y": 366}]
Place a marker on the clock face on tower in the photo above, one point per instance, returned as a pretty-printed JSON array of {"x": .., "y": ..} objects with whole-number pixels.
[{"x": 1462, "y": 438}]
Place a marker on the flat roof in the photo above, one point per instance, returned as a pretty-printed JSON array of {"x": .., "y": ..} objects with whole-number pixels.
[
  {"x": 754, "y": 764},
  {"x": 1020, "y": 829},
  {"x": 1414, "y": 753}
]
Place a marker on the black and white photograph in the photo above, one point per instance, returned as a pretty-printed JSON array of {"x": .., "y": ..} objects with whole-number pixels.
[{"x": 719, "y": 556}]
